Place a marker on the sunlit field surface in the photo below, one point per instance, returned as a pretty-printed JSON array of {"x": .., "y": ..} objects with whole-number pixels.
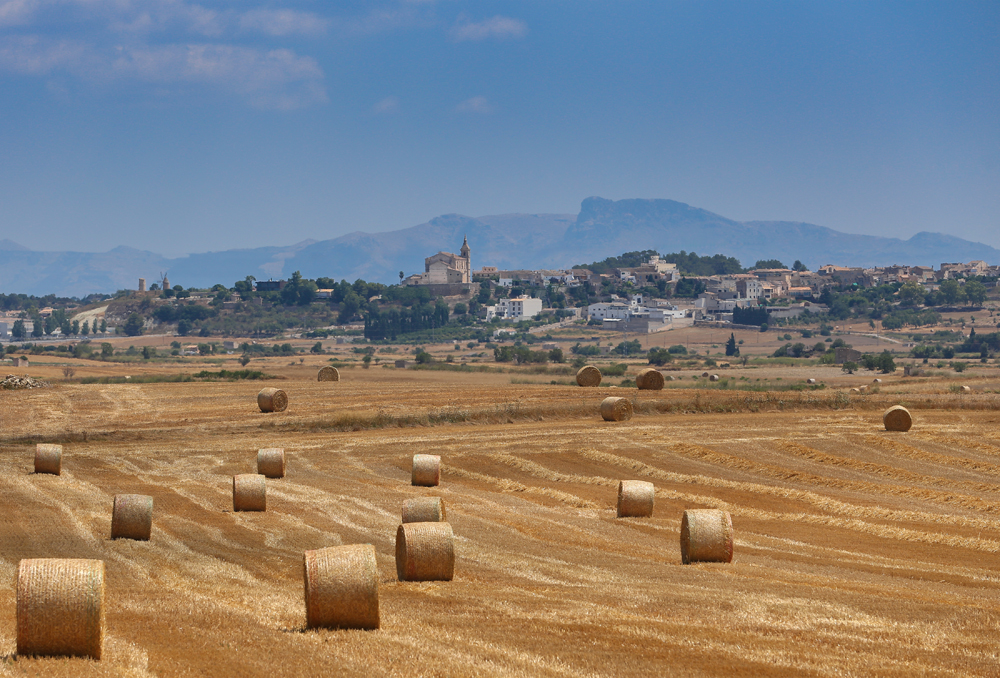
[{"x": 857, "y": 551}]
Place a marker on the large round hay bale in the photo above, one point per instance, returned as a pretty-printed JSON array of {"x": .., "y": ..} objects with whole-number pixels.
[
  {"x": 48, "y": 458},
  {"x": 876, "y": 381},
  {"x": 425, "y": 552},
  {"x": 616, "y": 409},
  {"x": 341, "y": 587},
  {"x": 426, "y": 471},
  {"x": 132, "y": 517},
  {"x": 706, "y": 536},
  {"x": 271, "y": 462},
  {"x": 328, "y": 373},
  {"x": 810, "y": 380},
  {"x": 424, "y": 510},
  {"x": 649, "y": 379},
  {"x": 249, "y": 492},
  {"x": 897, "y": 418},
  {"x": 966, "y": 389},
  {"x": 635, "y": 499},
  {"x": 272, "y": 400},
  {"x": 588, "y": 375},
  {"x": 713, "y": 377},
  {"x": 60, "y": 607}
]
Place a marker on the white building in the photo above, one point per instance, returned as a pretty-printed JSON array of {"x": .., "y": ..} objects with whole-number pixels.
[
  {"x": 518, "y": 308},
  {"x": 615, "y": 310}
]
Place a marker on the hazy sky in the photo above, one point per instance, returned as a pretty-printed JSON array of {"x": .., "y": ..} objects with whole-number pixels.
[{"x": 179, "y": 126}]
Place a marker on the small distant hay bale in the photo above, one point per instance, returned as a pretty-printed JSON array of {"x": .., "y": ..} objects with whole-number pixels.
[
  {"x": 714, "y": 377},
  {"x": 876, "y": 380},
  {"x": 132, "y": 517},
  {"x": 616, "y": 409},
  {"x": 649, "y": 379},
  {"x": 48, "y": 458},
  {"x": 426, "y": 470},
  {"x": 588, "y": 375},
  {"x": 966, "y": 389},
  {"x": 863, "y": 389},
  {"x": 249, "y": 492},
  {"x": 328, "y": 373},
  {"x": 704, "y": 374},
  {"x": 60, "y": 607},
  {"x": 854, "y": 390},
  {"x": 272, "y": 400},
  {"x": 897, "y": 418},
  {"x": 424, "y": 510},
  {"x": 810, "y": 380},
  {"x": 635, "y": 499},
  {"x": 271, "y": 462},
  {"x": 425, "y": 552},
  {"x": 341, "y": 587},
  {"x": 706, "y": 536}
]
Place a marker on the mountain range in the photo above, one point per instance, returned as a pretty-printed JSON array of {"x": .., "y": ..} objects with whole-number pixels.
[{"x": 602, "y": 228}]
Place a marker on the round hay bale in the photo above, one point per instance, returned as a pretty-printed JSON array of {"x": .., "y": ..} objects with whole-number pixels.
[
  {"x": 714, "y": 377},
  {"x": 425, "y": 552},
  {"x": 810, "y": 380},
  {"x": 706, "y": 536},
  {"x": 60, "y": 607},
  {"x": 704, "y": 374},
  {"x": 854, "y": 390},
  {"x": 635, "y": 499},
  {"x": 328, "y": 373},
  {"x": 48, "y": 458},
  {"x": 966, "y": 389},
  {"x": 271, "y": 462},
  {"x": 272, "y": 400},
  {"x": 876, "y": 380},
  {"x": 249, "y": 492},
  {"x": 863, "y": 389},
  {"x": 897, "y": 418},
  {"x": 424, "y": 510},
  {"x": 341, "y": 587},
  {"x": 426, "y": 471},
  {"x": 588, "y": 375},
  {"x": 616, "y": 409},
  {"x": 132, "y": 517},
  {"x": 649, "y": 379}
]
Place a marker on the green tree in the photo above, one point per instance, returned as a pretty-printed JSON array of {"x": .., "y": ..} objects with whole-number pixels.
[
  {"x": 183, "y": 327},
  {"x": 769, "y": 263},
  {"x": 17, "y": 331},
  {"x": 849, "y": 367},
  {"x": 731, "y": 349},
  {"x": 317, "y": 347},
  {"x": 134, "y": 325},
  {"x": 37, "y": 327},
  {"x": 104, "y": 326},
  {"x": 975, "y": 292},
  {"x": 911, "y": 294},
  {"x": 659, "y": 356},
  {"x": 147, "y": 352},
  {"x": 799, "y": 266},
  {"x": 75, "y": 327},
  {"x": 244, "y": 359},
  {"x": 107, "y": 350},
  {"x": 952, "y": 292},
  {"x": 85, "y": 328}
]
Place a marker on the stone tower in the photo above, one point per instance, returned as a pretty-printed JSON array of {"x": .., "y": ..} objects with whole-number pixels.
[{"x": 467, "y": 264}]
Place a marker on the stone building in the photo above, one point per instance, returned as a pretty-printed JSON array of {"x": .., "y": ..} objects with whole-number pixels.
[{"x": 445, "y": 268}]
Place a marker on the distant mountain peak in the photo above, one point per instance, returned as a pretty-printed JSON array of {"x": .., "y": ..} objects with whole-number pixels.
[{"x": 11, "y": 246}]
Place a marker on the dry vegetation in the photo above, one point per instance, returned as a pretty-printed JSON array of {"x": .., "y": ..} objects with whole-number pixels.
[{"x": 857, "y": 551}]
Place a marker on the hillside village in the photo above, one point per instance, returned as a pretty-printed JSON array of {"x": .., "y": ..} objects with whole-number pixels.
[{"x": 638, "y": 293}]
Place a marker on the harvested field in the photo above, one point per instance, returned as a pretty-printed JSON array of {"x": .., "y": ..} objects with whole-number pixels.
[{"x": 857, "y": 551}]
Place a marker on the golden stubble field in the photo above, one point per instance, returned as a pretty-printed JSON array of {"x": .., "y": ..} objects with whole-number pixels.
[{"x": 858, "y": 552}]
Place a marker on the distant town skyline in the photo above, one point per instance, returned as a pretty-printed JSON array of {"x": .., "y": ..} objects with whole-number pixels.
[{"x": 179, "y": 127}]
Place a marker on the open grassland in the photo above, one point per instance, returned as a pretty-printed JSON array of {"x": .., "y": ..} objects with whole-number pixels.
[{"x": 858, "y": 552}]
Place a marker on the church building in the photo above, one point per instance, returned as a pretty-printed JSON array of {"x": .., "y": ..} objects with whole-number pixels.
[{"x": 445, "y": 267}]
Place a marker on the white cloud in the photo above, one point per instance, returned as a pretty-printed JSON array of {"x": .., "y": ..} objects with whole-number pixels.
[
  {"x": 499, "y": 27},
  {"x": 387, "y": 105},
  {"x": 478, "y": 104},
  {"x": 17, "y": 12},
  {"x": 276, "y": 79},
  {"x": 283, "y": 22}
]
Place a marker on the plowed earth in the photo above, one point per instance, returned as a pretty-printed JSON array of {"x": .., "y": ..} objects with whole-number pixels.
[{"x": 858, "y": 552}]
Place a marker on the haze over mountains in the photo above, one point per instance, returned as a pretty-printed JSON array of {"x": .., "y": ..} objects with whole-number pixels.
[{"x": 603, "y": 228}]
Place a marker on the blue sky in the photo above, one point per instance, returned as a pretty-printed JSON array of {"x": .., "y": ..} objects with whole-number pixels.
[{"x": 180, "y": 126}]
